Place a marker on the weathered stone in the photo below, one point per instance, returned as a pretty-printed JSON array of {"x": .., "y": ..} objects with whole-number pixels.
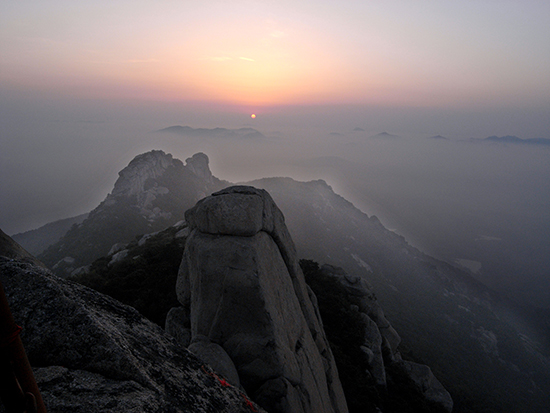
[
  {"x": 113, "y": 359},
  {"x": 119, "y": 246},
  {"x": 366, "y": 302},
  {"x": 391, "y": 337},
  {"x": 198, "y": 164},
  {"x": 132, "y": 179},
  {"x": 373, "y": 341},
  {"x": 83, "y": 391},
  {"x": 382, "y": 342},
  {"x": 279, "y": 395},
  {"x": 368, "y": 353},
  {"x": 241, "y": 281},
  {"x": 119, "y": 256},
  {"x": 236, "y": 214}
]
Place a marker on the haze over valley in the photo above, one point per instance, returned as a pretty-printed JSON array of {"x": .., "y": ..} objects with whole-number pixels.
[{"x": 474, "y": 202}]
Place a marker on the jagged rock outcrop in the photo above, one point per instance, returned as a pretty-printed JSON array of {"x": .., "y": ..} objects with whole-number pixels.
[
  {"x": 243, "y": 289},
  {"x": 382, "y": 341},
  {"x": 425, "y": 383},
  {"x": 198, "y": 164},
  {"x": 151, "y": 193},
  {"x": 94, "y": 354},
  {"x": 380, "y": 337},
  {"x": 133, "y": 178}
]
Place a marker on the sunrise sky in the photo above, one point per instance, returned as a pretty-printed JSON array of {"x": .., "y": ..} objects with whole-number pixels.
[
  {"x": 84, "y": 83},
  {"x": 269, "y": 53}
]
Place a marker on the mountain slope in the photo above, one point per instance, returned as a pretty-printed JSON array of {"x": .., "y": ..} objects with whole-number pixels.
[
  {"x": 143, "y": 274},
  {"x": 37, "y": 240},
  {"x": 479, "y": 345}
]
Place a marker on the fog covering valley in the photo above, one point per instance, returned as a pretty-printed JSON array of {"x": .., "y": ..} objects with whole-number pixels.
[{"x": 472, "y": 202}]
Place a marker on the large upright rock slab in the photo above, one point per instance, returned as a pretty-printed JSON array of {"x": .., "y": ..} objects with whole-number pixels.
[{"x": 242, "y": 286}]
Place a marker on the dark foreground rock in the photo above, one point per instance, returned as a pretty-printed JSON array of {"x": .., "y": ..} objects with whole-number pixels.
[
  {"x": 243, "y": 289},
  {"x": 94, "y": 354}
]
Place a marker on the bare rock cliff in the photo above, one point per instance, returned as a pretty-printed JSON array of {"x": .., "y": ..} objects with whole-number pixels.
[{"x": 241, "y": 288}]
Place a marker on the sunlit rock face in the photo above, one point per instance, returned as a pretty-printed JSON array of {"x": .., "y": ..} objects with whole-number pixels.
[{"x": 242, "y": 287}]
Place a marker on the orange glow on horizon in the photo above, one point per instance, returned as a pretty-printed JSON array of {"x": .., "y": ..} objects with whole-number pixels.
[
  {"x": 238, "y": 62},
  {"x": 260, "y": 54}
]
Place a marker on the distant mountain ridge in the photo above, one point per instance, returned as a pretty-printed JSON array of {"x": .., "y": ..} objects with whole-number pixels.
[
  {"x": 516, "y": 140},
  {"x": 247, "y": 133},
  {"x": 384, "y": 135},
  {"x": 37, "y": 240}
]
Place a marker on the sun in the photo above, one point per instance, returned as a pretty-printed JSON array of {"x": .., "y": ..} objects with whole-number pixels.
[{"x": 253, "y": 116}]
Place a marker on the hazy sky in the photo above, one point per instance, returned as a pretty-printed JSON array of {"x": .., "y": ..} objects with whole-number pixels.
[
  {"x": 261, "y": 53},
  {"x": 82, "y": 83}
]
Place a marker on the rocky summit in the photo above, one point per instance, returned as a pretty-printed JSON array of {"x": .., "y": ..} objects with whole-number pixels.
[
  {"x": 242, "y": 289},
  {"x": 151, "y": 193}
]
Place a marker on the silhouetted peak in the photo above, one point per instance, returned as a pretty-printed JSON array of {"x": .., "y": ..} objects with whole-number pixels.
[{"x": 384, "y": 135}]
